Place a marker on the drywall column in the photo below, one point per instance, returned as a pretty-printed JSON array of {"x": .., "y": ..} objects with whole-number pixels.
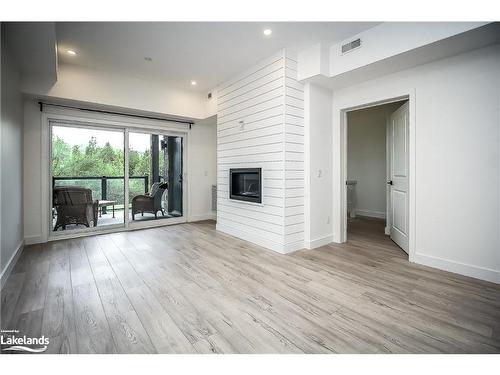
[
  {"x": 318, "y": 166},
  {"x": 12, "y": 234}
]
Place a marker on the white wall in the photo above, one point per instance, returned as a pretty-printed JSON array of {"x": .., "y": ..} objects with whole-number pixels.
[
  {"x": 366, "y": 158},
  {"x": 456, "y": 158},
  {"x": 201, "y": 157},
  {"x": 104, "y": 88},
  {"x": 269, "y": 100},
  {"x": 202, "y": 161},
  {"x": 318, "y": 165},
  {"x": 11, "y": 161},
  {"x": 390, "y": 39}
]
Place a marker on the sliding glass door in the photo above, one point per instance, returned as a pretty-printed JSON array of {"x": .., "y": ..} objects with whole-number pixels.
[
  {"x": 89, "y": 185},
  {"x": 155, "y": 176}
]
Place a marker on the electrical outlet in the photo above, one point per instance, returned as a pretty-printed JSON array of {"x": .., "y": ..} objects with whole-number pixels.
[
  {"x": 328, "y": 220},
  {"x": 320, "y": 172}
]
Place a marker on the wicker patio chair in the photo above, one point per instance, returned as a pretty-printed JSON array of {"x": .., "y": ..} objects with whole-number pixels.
[
  {"x": 150, "y": 202},
  {"x": 74, "y": 205}
]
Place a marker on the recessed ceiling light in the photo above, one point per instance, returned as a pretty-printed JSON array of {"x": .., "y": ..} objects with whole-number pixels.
[
  {"x": 71, "y": 52},
  {"x": 193, "y": 83},
  {"x": 267, "y": 32}
]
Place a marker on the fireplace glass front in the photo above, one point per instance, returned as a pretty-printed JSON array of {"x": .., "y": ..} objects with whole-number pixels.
[{"x": 245, "y": 184}]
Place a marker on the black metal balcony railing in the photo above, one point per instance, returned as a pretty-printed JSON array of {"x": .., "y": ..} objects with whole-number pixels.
[{"x": 104, "y": 182}]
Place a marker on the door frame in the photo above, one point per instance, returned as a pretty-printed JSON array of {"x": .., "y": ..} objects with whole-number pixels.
[
  {"x": 340, "y": 159},
  {"x": 103, "y": 122}
]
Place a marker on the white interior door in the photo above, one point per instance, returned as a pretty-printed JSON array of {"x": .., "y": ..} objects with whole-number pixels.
[{"x": 398, "y": 176}]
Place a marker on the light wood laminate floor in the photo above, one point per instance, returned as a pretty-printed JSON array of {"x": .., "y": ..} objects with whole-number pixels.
[{"x": 189, "y": 289}]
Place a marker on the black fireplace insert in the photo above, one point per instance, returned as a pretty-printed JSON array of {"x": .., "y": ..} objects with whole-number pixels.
[{"x": 245, "y": 184}]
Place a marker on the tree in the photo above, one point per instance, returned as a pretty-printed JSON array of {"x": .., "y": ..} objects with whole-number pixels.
[
  {"x": 61, "y": 156},
  {"x": 96, "y": 161}
]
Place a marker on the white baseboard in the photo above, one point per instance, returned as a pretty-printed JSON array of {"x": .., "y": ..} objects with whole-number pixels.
[
  {"x": 10, "y": 264},
  {"x": 258, "y": 240},
  {"x": 202, "y": 217},
  {"x": 294, "y": 246},
  {"x": 31, "y": 240},
  {"x": 318, "y": 242},
  {"x": 477, "y": 272},
  {"x": 370, "y": 213}
]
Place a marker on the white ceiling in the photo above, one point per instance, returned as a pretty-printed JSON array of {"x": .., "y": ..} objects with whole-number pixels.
[{"x": 208, "y": 52}]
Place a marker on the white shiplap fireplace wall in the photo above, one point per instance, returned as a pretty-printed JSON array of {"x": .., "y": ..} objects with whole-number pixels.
[{"x": 260, "y": 123}]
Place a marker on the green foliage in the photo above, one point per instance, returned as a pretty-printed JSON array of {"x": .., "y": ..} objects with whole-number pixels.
[
  {"x": 139, "y": 163},
  {"x": 92, "y": 160},
  {"x": 97, "y": 161}
]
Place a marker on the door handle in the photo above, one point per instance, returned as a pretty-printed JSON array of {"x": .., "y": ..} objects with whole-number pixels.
[{"x": 389, "y": 182}]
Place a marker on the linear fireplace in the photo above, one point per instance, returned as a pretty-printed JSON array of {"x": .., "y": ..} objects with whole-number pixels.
[{"x": 245, "y": 184}]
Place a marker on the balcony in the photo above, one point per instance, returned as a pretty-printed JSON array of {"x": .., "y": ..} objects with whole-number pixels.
[{"x": 109, "y": 193}]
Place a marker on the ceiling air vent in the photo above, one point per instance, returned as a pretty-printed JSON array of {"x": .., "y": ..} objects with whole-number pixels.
[{"x": 351, "y": 45}]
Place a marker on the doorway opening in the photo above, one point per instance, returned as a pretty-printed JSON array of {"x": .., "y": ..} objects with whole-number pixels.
[{"x": 377, "y": 173}]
